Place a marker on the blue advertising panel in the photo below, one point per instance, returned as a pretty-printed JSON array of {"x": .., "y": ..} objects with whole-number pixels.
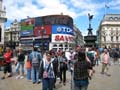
[
  {"x": 26, "y": 33},
  {"x": 61, "y": 29}
]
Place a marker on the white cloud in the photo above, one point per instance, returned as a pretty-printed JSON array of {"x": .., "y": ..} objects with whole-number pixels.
[{"x": 19, "y": 9}]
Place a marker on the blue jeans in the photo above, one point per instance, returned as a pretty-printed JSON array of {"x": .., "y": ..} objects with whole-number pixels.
[
  {"x": 48, "y": 84},
  {"x": 81, "y": 87},
  {"x": 35, "y": 74},
  {"x": 81, "y": 84},
  {"x": 29, "y": 73},
  {"x": 22, "y": 67}
]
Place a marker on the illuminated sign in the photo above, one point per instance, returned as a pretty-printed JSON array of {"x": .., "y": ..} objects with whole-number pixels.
[
  {"x": 38, "y": 31},
  {"x": 62, "y": 38},
  {"x": 61, "y": 29},
  {"x": 26, "y": 33},
  {"x": 27, "y": 24}
]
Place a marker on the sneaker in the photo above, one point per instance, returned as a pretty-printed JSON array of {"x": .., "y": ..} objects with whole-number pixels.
[
  {"x": 2, "y": 78},
  {"x": 17, "y": 77},
  {"x": 34, "y": 82},
  {"x": 58, "y": 78},
  {"x": 38, "y": 82},
  {"x": 21, "y": 77},
  {"x": 10, "y": 75}
]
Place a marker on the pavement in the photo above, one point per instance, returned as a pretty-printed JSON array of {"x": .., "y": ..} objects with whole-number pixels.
[{"x": 98, "y": 82}]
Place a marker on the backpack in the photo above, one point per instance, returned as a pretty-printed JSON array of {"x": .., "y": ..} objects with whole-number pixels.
[
  {"x": 35, "y": 60},
  {"x": 91, "y": 58}
]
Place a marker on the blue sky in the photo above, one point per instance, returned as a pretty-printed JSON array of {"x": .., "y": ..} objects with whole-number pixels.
[{"x": 77, "y": 9}]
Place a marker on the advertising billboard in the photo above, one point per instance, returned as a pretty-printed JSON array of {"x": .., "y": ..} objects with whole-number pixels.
[
  {"x": 27, "y": 24},
  {"x": 26, "y": 33},
  {"x": 42, "y": 30},
  {"x": 61, "y": 29},
  {"x": 61, "y": 38}
]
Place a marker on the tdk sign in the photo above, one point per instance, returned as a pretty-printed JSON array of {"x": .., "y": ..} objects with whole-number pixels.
[{"x": 65, "y": 30}]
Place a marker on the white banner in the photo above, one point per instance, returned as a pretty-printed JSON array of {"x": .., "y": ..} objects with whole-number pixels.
[{"x": 62, "y": 38}]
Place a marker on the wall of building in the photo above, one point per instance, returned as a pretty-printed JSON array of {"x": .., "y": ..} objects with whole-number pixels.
[
  {"x": 3, "y": 19},
  {"x": 109, "y": 31},
  {"x": 48, "y": 32}
]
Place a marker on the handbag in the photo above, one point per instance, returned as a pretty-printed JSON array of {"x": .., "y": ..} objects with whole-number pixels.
[{"x": 45, "y": 73}]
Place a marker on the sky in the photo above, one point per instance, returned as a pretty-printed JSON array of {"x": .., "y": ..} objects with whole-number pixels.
[{"x": 77, "y": 9}]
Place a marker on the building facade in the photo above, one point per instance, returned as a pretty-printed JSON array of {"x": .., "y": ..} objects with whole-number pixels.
[
  {"x": 12, "y": 35},
  {"x": 109, "y": 31},
  {"x": 47, "y": 32},
  {"x": 78, "y": 37},
  {"x": 3, "y": 19}
]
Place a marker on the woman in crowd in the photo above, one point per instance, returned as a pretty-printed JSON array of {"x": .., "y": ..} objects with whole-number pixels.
[
  {"x": 20, "y": 63},
  {"x": 82, "y": 72},
  {"x": 47, "y": 72},
  {"x": 7, "y": 62}
]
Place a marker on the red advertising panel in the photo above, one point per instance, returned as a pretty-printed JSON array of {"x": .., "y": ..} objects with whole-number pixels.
[{"x": 42, "y": 30}]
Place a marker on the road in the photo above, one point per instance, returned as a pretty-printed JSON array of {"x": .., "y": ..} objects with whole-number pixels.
[{"x": 98, "y": 82}]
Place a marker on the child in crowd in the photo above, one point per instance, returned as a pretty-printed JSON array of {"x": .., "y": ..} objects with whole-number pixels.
[{"x": 28, "y": 68}]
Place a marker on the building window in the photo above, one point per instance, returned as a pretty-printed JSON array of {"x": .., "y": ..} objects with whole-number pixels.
[
  {"x": 60, "y": 45},
  {"x": 55, "y": 45},
  {"x": 116, "y": 28},
  {"x": 116, "y": 38},
  {"x": 115, "y": 18},
  {"x": 111, "y": 29},
  {"x": 104, "y": 39},
  {"x": 111, "y": 38},
  {"x": 103, "y": 33},
  {"x": 117, "y": 33}
]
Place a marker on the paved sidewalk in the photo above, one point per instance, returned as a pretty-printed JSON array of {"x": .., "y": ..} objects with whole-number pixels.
[{"x": 98, "y": 82}]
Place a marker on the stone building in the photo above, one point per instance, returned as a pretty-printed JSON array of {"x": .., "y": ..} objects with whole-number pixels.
[
  {"x": 109, "y": 31},
  {"x": 12, "y": 35},
  {"x": 78, "y": 36},
  {"x": 3, "y": 19}
]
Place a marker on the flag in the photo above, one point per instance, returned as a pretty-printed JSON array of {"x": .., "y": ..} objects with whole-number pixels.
[{"x": 106, "y": 6}]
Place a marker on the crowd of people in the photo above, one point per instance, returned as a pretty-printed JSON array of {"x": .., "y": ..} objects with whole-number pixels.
[{"x": 46, "y": 68}]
